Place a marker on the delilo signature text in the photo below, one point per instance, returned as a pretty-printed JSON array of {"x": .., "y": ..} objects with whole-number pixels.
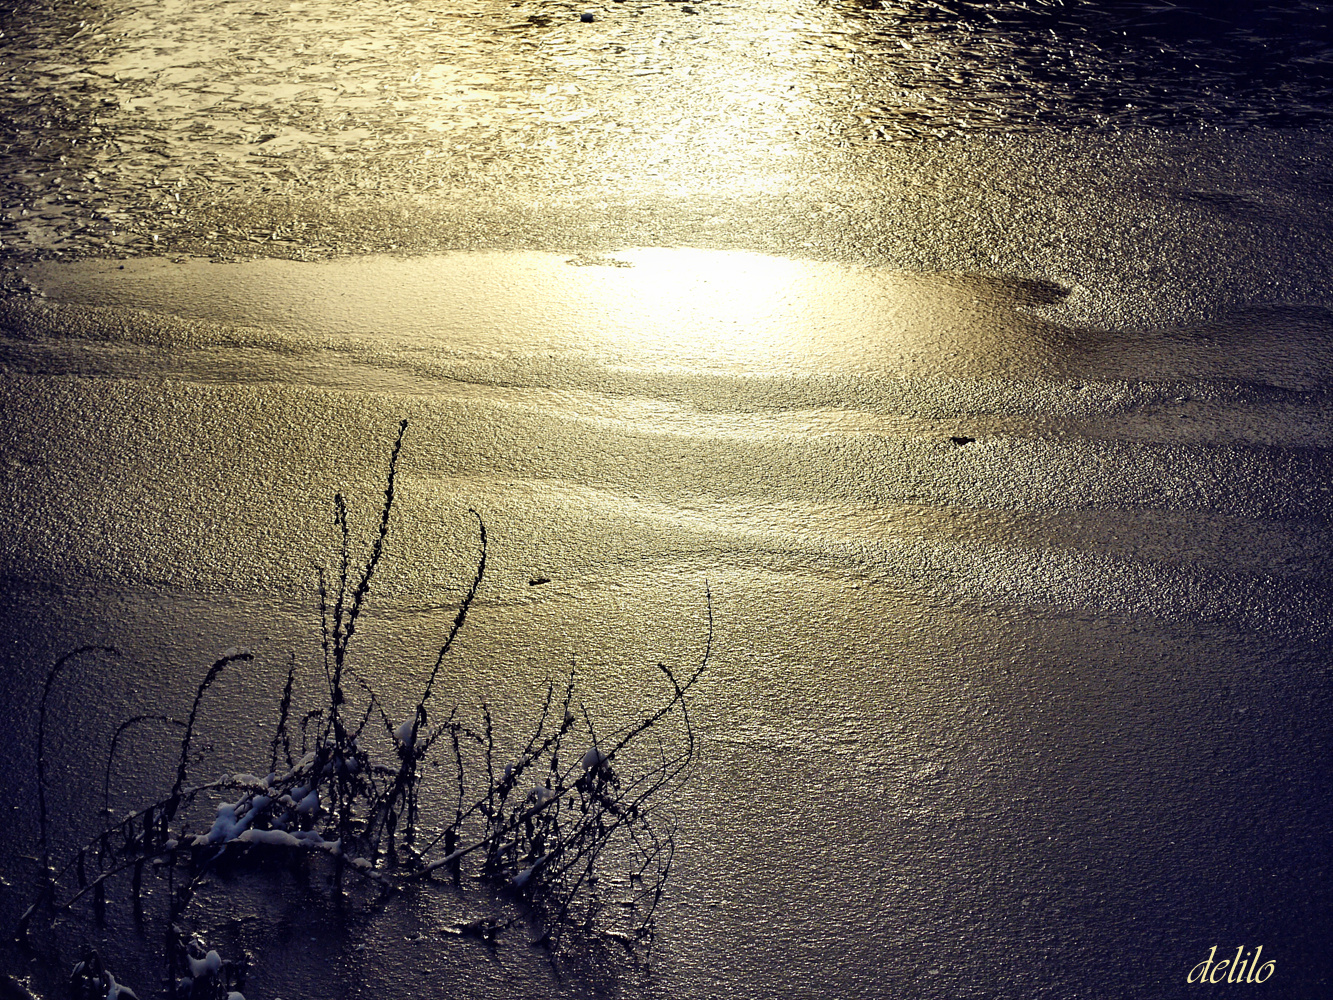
[{"x": 1241, "y": 969}]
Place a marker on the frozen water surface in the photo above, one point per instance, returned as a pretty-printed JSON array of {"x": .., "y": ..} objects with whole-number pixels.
[{"x": 1005, "y": 602}]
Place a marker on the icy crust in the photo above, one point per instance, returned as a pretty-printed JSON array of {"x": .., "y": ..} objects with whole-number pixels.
[
  {"x": 593, "y": 759},
  {"x": 281, "y": 838},
  {"x": 541, "y": 796},
  {"x": 275, "y": 811},
  {"x": 206, "y": 977},
  {"x": 281, "y": 810},
  {"x": 209, "y": 965},
  {"x": 405, "y": 734},
  {"x": 91, "y": 973},
  {"x": 521, "y": 879}
]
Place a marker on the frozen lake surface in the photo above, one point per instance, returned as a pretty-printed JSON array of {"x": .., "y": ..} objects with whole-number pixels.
[{"x": 1007, "y": 606}]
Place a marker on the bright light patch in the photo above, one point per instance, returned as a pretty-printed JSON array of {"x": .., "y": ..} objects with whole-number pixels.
[{"x": 632, "y": 310}]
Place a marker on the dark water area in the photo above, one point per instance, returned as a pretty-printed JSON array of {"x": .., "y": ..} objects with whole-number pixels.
[{"x": 1110, "y": 65}]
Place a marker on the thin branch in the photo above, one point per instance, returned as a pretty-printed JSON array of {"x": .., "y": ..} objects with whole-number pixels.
[
  {"x": 43, "y": 822},
  {"x": 207, "y": 682}
]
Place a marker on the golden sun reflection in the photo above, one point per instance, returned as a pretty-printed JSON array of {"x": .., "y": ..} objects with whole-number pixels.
[
  {"x": 752, "y": 313},
  {"x": 650, "y": 309}
]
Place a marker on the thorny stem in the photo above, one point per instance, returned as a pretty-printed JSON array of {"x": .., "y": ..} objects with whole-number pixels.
[
  {"x": 363, "y": 587},
  {"x": 459, "y": 618},
  {"x": 111, "y": 755},
  {"x": 207, "y": 682},
  {"x": 42, "y": 821},
  {"x": 561, "y": 834},
  {"x": 345, "y": 617},
  {"x": 284, "y": 710}
]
